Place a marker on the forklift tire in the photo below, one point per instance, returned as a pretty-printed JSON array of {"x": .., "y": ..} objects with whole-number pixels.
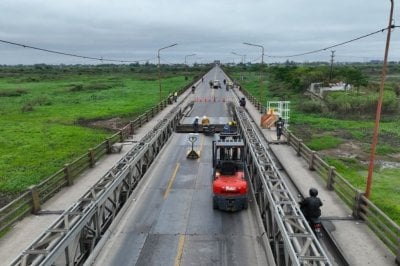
[
  {"x": 246, "y": 204},
  {"x": 215, "y": 204}
]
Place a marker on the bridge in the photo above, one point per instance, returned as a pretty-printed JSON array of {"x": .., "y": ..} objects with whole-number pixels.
[{"x": 153, "y": 206}]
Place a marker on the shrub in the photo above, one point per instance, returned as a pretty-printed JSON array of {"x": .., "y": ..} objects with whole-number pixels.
[
  {"x": 90, "y": 87},
  {"x": 362, "y": 104},
  {"x": 310, "y": 106},
  {"x": 13, "y": 93},
  {"x": 27, "y": 107}
]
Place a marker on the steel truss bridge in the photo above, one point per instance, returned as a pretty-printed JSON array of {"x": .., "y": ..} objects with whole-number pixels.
[{"x": 74, "y": 235}]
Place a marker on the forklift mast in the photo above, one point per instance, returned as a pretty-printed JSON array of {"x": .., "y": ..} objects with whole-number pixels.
[{"x": 228, "y": 150}]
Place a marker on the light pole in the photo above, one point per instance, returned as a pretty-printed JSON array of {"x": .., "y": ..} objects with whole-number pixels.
[
  {"x": 257, "y": 45},
  {"x": 159, "y": 71},
  {"x": 186, "y": 56},
  {"x": 379, "y": 107},
  {"x": 243, "y": 56},
  {"x": 262, "y": 68}
]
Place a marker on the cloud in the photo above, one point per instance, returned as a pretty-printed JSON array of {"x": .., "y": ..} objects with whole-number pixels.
[{"x": 136, "y": 29}]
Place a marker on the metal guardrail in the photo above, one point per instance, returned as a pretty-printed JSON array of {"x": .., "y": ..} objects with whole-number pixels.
[
  {"x": 31, "y": 200},
  {"x": 291, "y": 237},
  {"x": 385, "y": 228},
  {"x": 74, "y": 235}
]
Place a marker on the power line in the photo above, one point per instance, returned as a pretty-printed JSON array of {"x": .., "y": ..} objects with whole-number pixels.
[
  {"x": 167, "y": 61},
  {"x": 333, "y": 46},
  {"x": 74, "y": 55}
]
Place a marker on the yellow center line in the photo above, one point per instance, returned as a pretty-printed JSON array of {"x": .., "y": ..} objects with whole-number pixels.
[
  {"x": 171, "y": 181},
  {"x": 178, "y": 258}
]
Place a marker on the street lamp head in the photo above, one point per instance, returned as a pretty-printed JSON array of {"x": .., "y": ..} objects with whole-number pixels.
[{"x": 167, "y": 47}]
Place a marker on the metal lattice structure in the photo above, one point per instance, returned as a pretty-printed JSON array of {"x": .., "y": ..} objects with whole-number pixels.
[
  {"x": 292, "y": 239},
  {"x": 74, "y": 235},
  {"x": 282, "y": 108}
]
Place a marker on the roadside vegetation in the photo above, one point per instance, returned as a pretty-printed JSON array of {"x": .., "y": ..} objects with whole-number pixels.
[
  {"x": 48, "y": 114},
  {"x": 340, "y": 125}
]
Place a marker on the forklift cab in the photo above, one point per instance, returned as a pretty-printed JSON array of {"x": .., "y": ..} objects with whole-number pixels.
[{"x": 228, "y": 155}]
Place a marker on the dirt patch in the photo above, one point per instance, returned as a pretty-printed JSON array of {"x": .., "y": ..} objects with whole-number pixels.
[
  {"x": 349, "y": 149},
  {"x": 352, "y": 149},
  {"x": 112, "y": 124}
]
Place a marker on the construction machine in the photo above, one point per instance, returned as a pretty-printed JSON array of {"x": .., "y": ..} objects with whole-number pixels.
[{"x": 229, "y": 175}]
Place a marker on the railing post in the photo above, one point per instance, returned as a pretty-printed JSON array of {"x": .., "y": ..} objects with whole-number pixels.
[
  {"x": 299, "y": 147},
  {"x": 288, "y": 136},
  {"x": 121, "y": 135},
  {"x": 132, "y": 126},
  {"x": 68, "y": 175},
  {"x": 331, "y": 179},
  {"x": 92, "y": 159},
  {"x": 311, "y": 162},
  {"x": 109, "y": 145},
  {"x": 357, "y": 204},
  {"x": 35, "y": 199}
]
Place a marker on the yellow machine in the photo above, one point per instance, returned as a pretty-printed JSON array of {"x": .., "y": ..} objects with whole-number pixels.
[{"x": 268, "y": 119}]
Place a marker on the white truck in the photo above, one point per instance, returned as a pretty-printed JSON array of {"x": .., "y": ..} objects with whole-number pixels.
[{"x": 216, "y": 84}]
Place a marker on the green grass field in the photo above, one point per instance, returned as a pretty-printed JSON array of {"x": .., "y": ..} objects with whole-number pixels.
[
  {"x": 320, "y": 132},
  {"x": 39, "y": 132}
]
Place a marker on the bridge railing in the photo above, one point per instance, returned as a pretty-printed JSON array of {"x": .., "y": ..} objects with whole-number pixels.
[
  {"x": 30, "y": 201},
  {"x": 385, "y": 228},
  {"x": 75, "y": 234},
  {"x": 381, "y": 224}
]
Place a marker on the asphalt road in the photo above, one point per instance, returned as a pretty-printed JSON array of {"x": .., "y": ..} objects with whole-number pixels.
[{"x": 171, "y": 220}]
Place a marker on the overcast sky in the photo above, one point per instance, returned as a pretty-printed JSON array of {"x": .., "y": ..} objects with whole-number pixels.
[{"x": 212, "y": 29}]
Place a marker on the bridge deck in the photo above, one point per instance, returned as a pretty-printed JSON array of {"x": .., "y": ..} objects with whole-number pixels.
[
  {"x": 172, "y": 218},
  {"x": 183, "y": 222}
]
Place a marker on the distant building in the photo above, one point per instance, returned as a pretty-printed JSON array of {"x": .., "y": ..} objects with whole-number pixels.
[{"x": 318, "y": 89}]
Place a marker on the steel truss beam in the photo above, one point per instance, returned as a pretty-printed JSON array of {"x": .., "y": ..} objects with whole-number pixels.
[
  {"x": 292, "y": 239},
  {"x": 74, "y": 235}
]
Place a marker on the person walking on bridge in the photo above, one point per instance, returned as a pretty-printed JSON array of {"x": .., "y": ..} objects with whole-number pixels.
[
  {"x": 279, "y": 127},
  {"x": 175, "y": 96},
  {"x": 205, "y": 121},
  {"x": 196, "y": 124}
]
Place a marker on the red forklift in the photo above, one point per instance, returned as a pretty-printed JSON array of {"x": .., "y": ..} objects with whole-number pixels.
[{"x": 229, "y": 175}]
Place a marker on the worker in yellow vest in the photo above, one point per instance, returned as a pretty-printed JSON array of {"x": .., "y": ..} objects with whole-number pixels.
[{"x": 205, "y": 121}]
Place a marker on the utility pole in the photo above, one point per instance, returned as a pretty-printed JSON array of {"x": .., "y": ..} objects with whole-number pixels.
[
  {"x": 379, "y": 107},
  {"x": 330, "y": 73}
]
